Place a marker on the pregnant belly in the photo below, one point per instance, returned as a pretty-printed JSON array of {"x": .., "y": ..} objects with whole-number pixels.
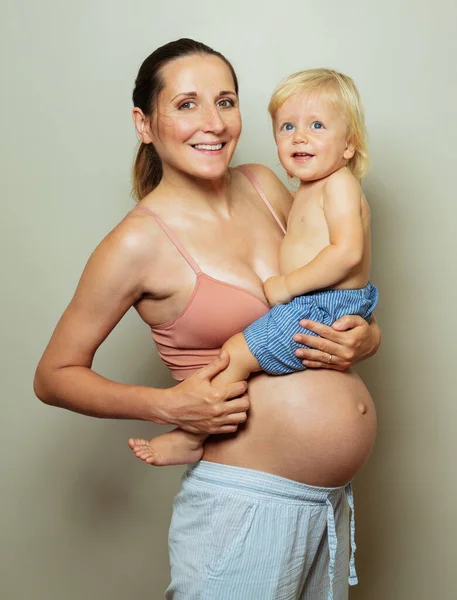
[{"x": 317, "y": 427}]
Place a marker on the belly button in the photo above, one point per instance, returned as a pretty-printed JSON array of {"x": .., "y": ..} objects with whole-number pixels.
[{"x": 362, "y": 408}]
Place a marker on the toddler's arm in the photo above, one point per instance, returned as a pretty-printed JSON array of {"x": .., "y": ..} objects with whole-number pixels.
[{"x": 342, "y": 202}]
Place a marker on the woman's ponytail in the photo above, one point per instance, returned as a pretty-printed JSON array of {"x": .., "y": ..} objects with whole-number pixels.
[{"x": 147, "y": 171}]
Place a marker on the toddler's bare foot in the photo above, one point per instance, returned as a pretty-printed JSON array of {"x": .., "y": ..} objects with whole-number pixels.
[{"x": 178, "y": 447}]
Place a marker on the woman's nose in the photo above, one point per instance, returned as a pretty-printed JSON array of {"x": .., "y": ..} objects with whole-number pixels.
[{"x": 212, "y": 120}]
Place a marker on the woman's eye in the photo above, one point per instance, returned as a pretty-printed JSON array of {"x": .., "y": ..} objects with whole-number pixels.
[
  {"x": 226, "y": 103},
  {"x": 287, "y": 126},
  {"x": 187, "y": 105},
  {"x": 317, "y": 125}
]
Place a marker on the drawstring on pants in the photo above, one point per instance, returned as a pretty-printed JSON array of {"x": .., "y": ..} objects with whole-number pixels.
[
  {"x": 333, "y": 541},
  {"x": 353, "y": 580}
]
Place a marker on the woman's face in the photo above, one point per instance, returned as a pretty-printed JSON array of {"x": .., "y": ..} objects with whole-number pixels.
[{"x": 197, "y": 122}]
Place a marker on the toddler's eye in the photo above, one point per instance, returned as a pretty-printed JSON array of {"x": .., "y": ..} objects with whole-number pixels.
[
  {"x": 187, "y": 105},
  {"x": 317, "y": 125},
  {"x": 287, "y": 126}
]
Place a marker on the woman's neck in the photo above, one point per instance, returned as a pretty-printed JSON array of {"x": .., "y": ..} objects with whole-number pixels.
[{"x": 200, "y": 194}]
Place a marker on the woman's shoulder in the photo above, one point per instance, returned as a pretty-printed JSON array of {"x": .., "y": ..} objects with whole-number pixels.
[
  {"x": 261, "y": 172},
  {"x": 278, "y": 195},
  {"x": 133, "y": 240}
]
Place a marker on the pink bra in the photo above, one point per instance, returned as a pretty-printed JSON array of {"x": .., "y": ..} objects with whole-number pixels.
[{"x": 216, "y": 310}]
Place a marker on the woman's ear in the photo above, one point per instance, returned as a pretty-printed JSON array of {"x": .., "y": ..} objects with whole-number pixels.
[{"x": 142, "y": 125}]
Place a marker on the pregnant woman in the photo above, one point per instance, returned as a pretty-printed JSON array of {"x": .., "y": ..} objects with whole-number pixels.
[{"x": 265, "y": 514}]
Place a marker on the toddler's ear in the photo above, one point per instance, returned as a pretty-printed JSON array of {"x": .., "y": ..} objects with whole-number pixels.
[{"x": 350, "y": 150}]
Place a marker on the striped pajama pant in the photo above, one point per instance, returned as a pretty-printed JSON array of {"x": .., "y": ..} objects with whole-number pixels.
[
  {"x": 270, "y": 338},
  {"x": 240, "y": 534}
]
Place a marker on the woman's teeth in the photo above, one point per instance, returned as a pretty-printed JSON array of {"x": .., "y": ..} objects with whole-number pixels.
[{"x": 208, "y": 146}]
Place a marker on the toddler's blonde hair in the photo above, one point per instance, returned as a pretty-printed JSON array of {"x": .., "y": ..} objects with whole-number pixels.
[{"x": 342, "y": 92}]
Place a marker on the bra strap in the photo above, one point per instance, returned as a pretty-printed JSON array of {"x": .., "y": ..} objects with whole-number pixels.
[
  {"x": 175, "y": 241},
  {"x": 247, "y": 173}
]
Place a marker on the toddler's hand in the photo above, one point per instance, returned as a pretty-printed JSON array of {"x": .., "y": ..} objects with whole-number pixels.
[{"x": 276, "y": 291}]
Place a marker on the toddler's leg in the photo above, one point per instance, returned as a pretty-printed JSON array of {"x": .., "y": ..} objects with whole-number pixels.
[
  {"x": 242, "y": 362},
  {"x": 177, "y": 447},
  {"x": 181, "y": 447}
]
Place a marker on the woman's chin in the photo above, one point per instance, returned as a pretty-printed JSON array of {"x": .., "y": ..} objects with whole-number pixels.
[{"x": 212, "y": 172}]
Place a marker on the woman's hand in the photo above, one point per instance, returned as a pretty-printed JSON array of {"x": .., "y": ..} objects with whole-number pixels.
[
  {"x": 198, "y": 407},
  {"x": 348, "y": 341}
]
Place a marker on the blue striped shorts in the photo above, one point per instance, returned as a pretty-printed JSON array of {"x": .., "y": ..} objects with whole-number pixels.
[
  {"x": 240, "y": 534},
  {"x": 270, "y": 338}
]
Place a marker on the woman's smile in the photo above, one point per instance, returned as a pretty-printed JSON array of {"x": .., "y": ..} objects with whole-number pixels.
[{"x": 210, "y": 149}]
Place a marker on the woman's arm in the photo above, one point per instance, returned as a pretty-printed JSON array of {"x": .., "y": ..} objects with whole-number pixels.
[
  {"x": 348, "y": 341},
  {"x": 111, "y": 283}
]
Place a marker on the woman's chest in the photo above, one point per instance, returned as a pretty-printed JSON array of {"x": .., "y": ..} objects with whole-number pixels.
[
  {"x": 221, "y": 268},
  {"x": 245, "y": 256}
]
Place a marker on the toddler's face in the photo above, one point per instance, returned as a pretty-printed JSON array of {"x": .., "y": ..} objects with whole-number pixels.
[{"x": 312, "y": 136}]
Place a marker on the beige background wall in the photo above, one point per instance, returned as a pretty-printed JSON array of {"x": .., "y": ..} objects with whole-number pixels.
[{"x": 80, "y": 518}]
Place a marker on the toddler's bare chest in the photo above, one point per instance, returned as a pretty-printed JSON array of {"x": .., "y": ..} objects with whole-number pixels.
[{"x": 306, "y": 221}]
